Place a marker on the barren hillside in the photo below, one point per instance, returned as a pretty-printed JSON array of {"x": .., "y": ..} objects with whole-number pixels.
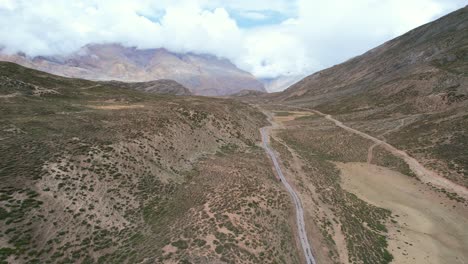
[
  {"x": 418, "y": 80},
  {"x": 93, "y": 172},
  {"x": 377, "y": 149}
]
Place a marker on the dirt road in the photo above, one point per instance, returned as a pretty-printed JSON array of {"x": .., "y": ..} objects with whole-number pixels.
[
  {"x": 424, "y": 174},
  {"x": 421, "y": 172},
  {"x": 297, "y": 202}
]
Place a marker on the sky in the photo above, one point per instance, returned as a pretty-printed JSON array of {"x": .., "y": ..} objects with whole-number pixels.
[{"x": 268, "y": 38}]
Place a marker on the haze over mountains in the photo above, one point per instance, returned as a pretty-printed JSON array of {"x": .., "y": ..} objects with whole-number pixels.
[
  {"x": 280, "y": 83},
  {"x": 201, "y": 74}
]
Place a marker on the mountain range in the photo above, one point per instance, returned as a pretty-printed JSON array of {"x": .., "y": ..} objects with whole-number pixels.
[{"x": 202, "y": 74}]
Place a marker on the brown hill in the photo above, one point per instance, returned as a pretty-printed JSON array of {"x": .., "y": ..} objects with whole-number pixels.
[
  {"x": 96, "y": 172},
  {"x": 201, "y": 74},
  {"x": 159, "y": 87},
  {"x": 248, "y": 93}
]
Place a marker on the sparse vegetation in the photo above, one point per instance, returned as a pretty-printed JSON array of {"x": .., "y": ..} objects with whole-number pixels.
[
  {"x": 282, "y": 113},
  {"x": 113, "y": 175},
  {"x": 364, "y": 226},
  {"x": 384, "y": 158}
]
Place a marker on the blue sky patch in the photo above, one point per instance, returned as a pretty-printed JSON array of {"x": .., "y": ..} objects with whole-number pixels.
[{"x": 249, "y": 19}]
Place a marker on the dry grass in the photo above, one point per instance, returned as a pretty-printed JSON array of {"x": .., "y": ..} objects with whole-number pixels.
[{"x": 115, "y": 107}]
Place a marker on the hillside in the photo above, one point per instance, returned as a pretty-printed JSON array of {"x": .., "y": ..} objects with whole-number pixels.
[
  {"x": 201, "y": 74},
  {"x": 162, "y": 86},
  {"x": 93, "y": 172},
  {"x": 377, "y": 149},
  {"x": 417, "y": 83}
]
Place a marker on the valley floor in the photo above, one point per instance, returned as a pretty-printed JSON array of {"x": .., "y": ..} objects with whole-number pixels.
[
  {"x": 430, "y": 228},
  {"x": 365, "y": 210}
]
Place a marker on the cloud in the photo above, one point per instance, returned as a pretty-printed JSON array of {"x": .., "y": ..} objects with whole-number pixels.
[{"x": 290, "y": 38}]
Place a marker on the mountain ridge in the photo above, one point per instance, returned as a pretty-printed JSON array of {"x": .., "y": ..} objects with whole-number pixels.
[
  {"x": 203, "y": 74},
  {"x": 420, "y": 77}
]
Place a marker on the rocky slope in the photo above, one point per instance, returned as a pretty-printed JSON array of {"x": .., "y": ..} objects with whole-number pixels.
[
  {"x": 202, "y": 74},
  {"x": 159, "y": 87},
  {"x": 248, "y": 93},
  {"x": 100, "y": 173},
  {"x": 416, "y": 83}
]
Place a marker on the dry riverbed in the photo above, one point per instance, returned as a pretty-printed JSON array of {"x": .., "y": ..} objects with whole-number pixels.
[{"x": 426, "y": 228}]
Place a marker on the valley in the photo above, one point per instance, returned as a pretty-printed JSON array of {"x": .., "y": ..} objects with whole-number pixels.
[
  {"x": 349, "y": 202},
  {"x": 97, "y": 173},
  {"x": 302, "y": 234},
  {"x": 116, "y": 154}
]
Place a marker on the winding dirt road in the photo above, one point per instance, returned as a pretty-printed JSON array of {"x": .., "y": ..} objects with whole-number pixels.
[
  {"x": 424, "y": 174},
  {"x": 371, "y": 148},
  {"x": 297, "y": 202}
]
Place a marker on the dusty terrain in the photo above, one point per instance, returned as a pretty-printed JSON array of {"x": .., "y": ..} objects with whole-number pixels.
[
  {"x": 375, "y": 148},
  {"x": 381, "y": 161},
  {"x": 413, "y": 221},
  {"x": 417, "y": 168},
  {"x": 429, "y": 228},
  {"x": 99, "y": 173}
]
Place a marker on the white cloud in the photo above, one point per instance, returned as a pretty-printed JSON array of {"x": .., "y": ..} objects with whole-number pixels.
[
  {"x": 189, "y": 28},
  {"x": 273, "y": 52},
  {"x": 316, "y": 34},
  {"x": 282, "y": 6}
]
